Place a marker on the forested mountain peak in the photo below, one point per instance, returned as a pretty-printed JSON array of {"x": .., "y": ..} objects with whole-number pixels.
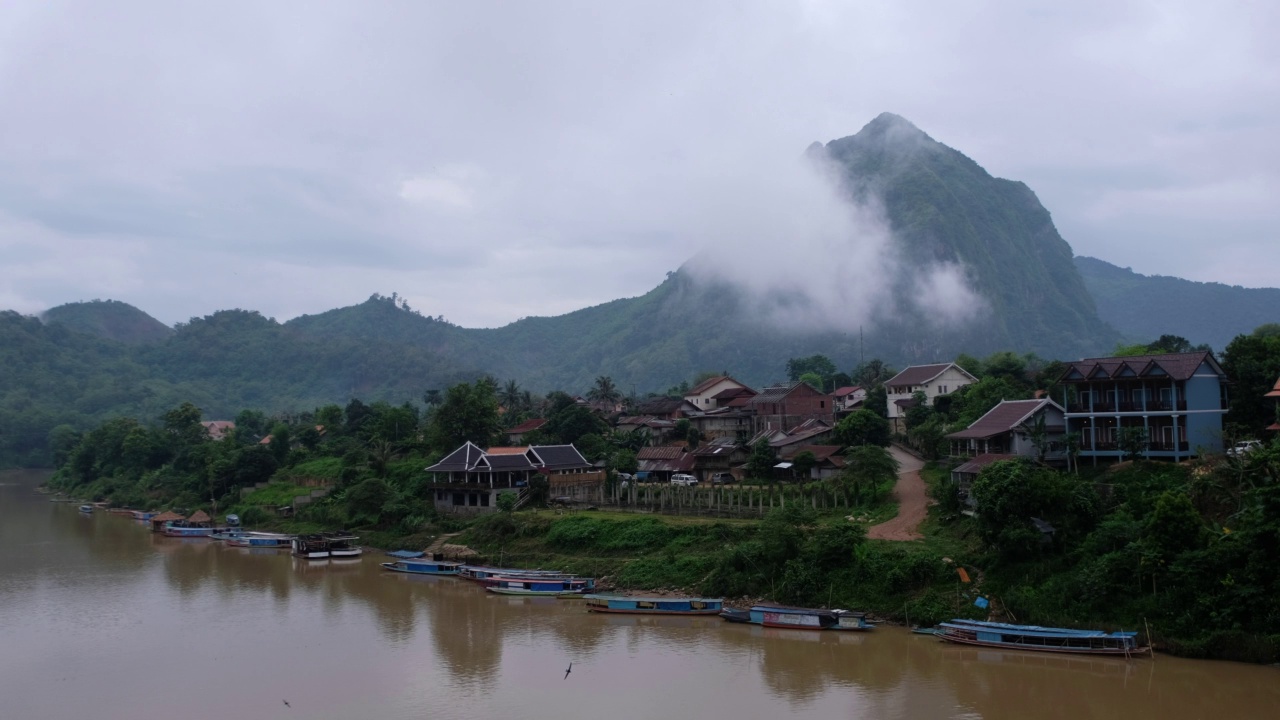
[{"x": 109, "y": 319}]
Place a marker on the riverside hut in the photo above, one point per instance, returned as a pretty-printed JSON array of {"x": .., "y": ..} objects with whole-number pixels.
[
  {"x": 158, "y": 521},
  {"x": 200, "y": 519}
]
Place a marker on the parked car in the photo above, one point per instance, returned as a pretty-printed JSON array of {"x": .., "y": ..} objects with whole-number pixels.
[
  {"x": 1243, "y": 448},
  {"x": 723, "y": 478},
  {"x": 626, "y": 476},
  {"x": 683, "y": 479}
]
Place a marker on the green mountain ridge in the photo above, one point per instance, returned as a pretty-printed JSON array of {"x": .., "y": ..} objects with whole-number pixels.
[
  {"x": 88, "y": 361},
  {"x": 1144, "y": 306}
]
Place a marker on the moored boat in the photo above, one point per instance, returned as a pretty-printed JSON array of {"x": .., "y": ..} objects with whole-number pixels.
[
  {"x": 544, "y": 587},
  {"x": 653, "y": 605},
  {"x": 781, "y": 616},
  {"x": 1040, "y": 639},
  {"x": 179, "y": 528},
  {"x": 341, "y": 545},
  {"x": 86, "y": 508},
  {"x": 736, "y": 616},
  {"x": 260, "y": 540},
  {"x": 423, "y": 567},
  {"x": 311, "y": 547},
  {"x": 481, "y": 573}
]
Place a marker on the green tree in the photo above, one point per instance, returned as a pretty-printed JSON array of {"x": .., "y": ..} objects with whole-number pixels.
[
  {"x": 604, "y": 391},
  {"x": 624, "y": 461},
  {"x": 819, "y": 365},
  {"x": 802, "y": 463},
  {"x": 1132, "y": 441},
  {"x": 183, "y": 425},
  {"x": 469, "y": 413},
  {"x": 867, "y": 467},
  {"x": 760, "y": 463},
  {"x": 862, "y": 427}
]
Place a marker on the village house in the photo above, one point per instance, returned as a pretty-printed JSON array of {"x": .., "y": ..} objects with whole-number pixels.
[
  {"x": 932, "y": 380},
  {"x": 516, "y": 434},
  {"x": 788, "y": 405},
  {"x": 965, "y": 473},
  {"x": 723, "y": 423},
  {"x": 704, "y": 395},
  {"x": 806, "y": 433},
  {"x": 1176, "y": 399},
  {"x": 848, "y": 398},
  {"x": 219, "y": 429},
  {"x": 667, "y": 408},
  {"x": 720, "y": 456},
  {"x": 829, "y": 462},
  {"x": 659, "y": 430},
  {"x": 470, "y": 479},
  {"x": 1012, "y": 428},
  {"x": 658, "y": 464}
]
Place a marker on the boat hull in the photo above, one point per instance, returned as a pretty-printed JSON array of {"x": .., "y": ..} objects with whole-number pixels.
[
  {"x": 1122, "y": 652},
  {"x": 535, "y": 593},
  {"x": 426, "y": 568},
  {"x": 653, "y": 606},
  {"x": 1033, "y": 638}
]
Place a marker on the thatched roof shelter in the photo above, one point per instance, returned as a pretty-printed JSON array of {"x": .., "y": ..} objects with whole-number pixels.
[
  {"x": 157, "y": 522},
  {"x": 200, "y": 517}
]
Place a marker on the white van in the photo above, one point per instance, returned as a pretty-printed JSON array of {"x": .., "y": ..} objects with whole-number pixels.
[{"x": 683, "y": 479}]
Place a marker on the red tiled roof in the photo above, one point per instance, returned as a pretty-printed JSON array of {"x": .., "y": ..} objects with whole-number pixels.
[
  {"x": 527, "y": 426},
  {"x": 975, "y": 465},
  {"x": 1275, "y": 391},
  {"x": 709, "y": 383},
  {"x": 732, "y": 393},
  {"x": 846, "y": 390},
  {"x": 922, "y": 374},
  {"x": 1001, "y": 419}
]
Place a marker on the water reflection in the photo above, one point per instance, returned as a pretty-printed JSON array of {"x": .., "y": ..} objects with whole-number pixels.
[{"x": 89, "y": 605}]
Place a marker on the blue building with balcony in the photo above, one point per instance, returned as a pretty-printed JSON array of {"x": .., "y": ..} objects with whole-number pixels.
[{"x": 1177, "y": 400}]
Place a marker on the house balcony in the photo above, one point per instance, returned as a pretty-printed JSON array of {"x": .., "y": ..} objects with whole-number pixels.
[
  {"x": 1088, "y": 446},
  {"x": 1107, "y": 408}
]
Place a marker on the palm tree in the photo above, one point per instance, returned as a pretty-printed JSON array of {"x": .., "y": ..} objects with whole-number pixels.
[
  {"x": 431, "y": 398},
  {"x": 511, "y": 397},
  {"x": 605, "y": 391}
]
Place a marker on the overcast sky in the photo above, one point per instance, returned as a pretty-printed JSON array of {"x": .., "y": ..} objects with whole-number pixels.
[{"x": 490, "y": 161}]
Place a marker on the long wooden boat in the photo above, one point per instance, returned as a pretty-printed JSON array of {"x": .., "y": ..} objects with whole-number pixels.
[
  {"x": 736, "y": 616},
  {"x": 544, "y": 587},
  {"x": 782, "y": 616},
  {"x": 423, "y": 567},
  {"x": 488, "y": 576},
  {"x": 86, "y": 509},
  {"x": 1040, "y": 639},
  {"x": 175, "y": 528},
  {"x": 653, "y": 605},
  {"x": 261, "y": 540}
]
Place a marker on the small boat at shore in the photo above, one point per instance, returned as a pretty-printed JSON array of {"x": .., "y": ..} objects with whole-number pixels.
[
  {"x": 341, "y": 546},
  {"x": 539, "y": 587},
  {"x": 179, "y": 528},
  {"x": 488, "y": 576},
  {"x": 1040, "y": 639},
  {"x": 311, "y": 547},
  {"x": 423, "y": 567},
  {"x": 86, "y": 509},
  {"x": 925, "y": 631},
  {"x": 260, "y": 540},
  {"x": 653, "y": 605},
  {"x": 781, "y": 616}
]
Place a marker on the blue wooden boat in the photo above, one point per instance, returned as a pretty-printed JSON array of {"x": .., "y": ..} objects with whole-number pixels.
[
  {"x": 423, "y": 567},
  {"x": 925, "y": 630},
  {"x": 178, "y": 528},
  {"x": 228, "y": 534},
  {"x": 1040, "y": 639},
  {"x": 261, "y": 540},
  {"x": 545, "y": 587},
  {"x": 86, "y": 508},
  {"x": 653, "y": 605},
  {"x": 736, "y": 616},
  {"x": 782, "y": 616}
]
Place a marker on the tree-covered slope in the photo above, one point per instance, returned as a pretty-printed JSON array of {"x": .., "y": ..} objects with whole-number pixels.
[
  {"x": 109, "y": 319},
  {"x": 1144, "y": 307}
]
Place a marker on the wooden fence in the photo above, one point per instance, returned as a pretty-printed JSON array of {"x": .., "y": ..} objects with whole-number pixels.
[{"x": 723, "y": 500}]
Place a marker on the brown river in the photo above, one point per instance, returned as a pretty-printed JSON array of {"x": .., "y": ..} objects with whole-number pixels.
[{"x": 99, "y": 618}]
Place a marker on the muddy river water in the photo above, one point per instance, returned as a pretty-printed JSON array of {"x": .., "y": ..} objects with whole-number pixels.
[{"x": 99, "y": 618}]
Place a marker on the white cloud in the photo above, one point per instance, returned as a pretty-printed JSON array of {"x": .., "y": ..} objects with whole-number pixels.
[{"x": 452, "y": 187}]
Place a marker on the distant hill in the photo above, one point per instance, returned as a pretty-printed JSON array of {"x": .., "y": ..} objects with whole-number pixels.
[
  {"x": 1144, "y": 307},
  {"x": 109, "y": 319}
]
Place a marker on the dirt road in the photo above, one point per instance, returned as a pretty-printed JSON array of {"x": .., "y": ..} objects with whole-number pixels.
[{"x": 913, "y": 501}]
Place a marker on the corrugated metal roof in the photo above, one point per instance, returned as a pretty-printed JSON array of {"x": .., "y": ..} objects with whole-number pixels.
[{"x": 527, "y": 426}]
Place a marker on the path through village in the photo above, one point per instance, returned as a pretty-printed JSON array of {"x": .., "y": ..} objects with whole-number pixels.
[{"x": 913, "y": 501}]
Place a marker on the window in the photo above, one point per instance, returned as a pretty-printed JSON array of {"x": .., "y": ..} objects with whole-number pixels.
[{"x": 822, "y": 403}]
